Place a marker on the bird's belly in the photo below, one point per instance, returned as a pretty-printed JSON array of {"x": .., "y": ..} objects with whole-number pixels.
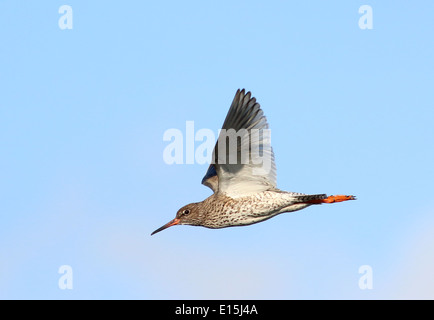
[{"x": 253, "y": 209}]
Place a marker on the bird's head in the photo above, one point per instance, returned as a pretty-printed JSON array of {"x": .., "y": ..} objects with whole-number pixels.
[{"x": 189, "y": 214}]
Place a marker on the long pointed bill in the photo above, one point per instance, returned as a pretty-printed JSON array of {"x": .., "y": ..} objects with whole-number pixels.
[{"x": 167, "y": 225}]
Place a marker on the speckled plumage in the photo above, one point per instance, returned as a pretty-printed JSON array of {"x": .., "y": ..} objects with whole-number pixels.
[
  {"x": 244, "y": 192},
  {"x": 220, "y": 210}
]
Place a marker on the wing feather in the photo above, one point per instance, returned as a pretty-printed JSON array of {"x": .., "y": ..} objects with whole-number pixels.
[{"x": 248, "y": 175}]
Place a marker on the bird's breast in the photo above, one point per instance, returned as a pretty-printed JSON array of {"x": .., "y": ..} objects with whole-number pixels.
[{"x": 222, "y": 211}]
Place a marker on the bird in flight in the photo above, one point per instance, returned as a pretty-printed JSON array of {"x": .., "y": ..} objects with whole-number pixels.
[{"x": 242, "y": 175}]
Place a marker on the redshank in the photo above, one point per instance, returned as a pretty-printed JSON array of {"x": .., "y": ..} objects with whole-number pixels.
[{"x": 244, "y": 184}]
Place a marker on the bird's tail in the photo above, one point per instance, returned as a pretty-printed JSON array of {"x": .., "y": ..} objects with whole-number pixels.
[
  {"x": 305, "y": 198},
  {"x": 322, "y": 198}
]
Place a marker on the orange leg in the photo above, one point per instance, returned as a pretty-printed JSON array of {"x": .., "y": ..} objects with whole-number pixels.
[{"x": 332, "y": 199}]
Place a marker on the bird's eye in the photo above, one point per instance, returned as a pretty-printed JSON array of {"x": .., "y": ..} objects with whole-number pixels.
[{"x": 185, "y": 212}]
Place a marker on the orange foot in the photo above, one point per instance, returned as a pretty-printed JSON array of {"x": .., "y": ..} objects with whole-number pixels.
[
  {"x": 338, "y": 198},
  {"x": 332, "y": 199}
]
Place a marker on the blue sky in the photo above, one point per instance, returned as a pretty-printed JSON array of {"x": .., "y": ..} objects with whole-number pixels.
[{"x": 83, "y": 182}]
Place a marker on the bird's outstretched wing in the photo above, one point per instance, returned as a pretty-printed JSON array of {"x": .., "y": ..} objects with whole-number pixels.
[{"x": 243, "y": 160}]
